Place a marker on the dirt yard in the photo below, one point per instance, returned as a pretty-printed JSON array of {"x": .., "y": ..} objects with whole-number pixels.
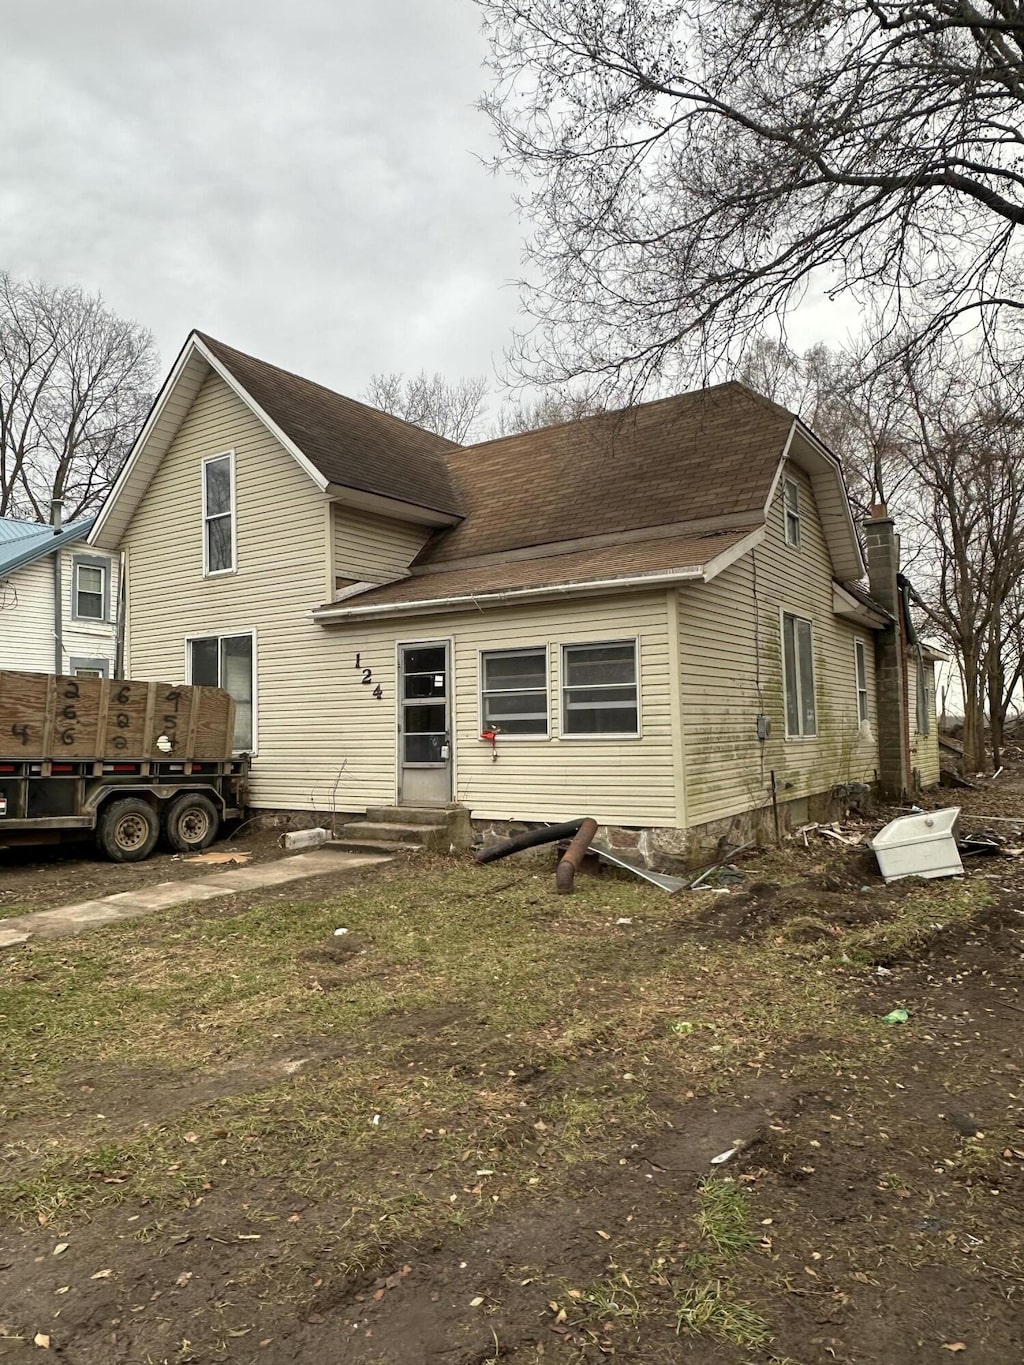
[
  {"x": 38, "y": 878},
  {"x": 480, "y": 1125}
]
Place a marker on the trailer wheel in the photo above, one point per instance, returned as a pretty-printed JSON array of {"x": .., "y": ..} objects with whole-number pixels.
[
  {"x": 128, "y": 830},
  {"x": 191, "y": 822}
]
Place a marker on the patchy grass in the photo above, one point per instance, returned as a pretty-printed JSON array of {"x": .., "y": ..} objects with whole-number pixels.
[
  {"x": 724, "y": 1216},
  {"x": 708, "y": 1308},
  {"x": 476, "y": 1047}
]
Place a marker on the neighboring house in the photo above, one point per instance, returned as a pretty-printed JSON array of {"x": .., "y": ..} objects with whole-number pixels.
[
  {"x": 58, "y": 600},
  {"x": 653, "y": 617}
]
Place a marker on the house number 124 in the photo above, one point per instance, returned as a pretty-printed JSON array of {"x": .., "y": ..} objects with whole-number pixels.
[{"x": 368, "y": 679}]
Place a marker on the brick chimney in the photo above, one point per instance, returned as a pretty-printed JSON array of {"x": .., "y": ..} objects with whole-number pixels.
[{"x": 883, "y": 558}]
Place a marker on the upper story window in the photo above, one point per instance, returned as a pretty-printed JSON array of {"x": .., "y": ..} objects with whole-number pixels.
[
  {"x": 599, "y": 689},
  {"x": 791, "y": 511},
  {"x": 90, "y": 594},
  {"x": 798, "y": 670},
  {"x": 514, "y": 691},
  {"x": 219, "y": 514}
]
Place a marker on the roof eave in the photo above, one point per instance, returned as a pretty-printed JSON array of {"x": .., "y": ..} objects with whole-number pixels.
[
  {"x": 460, "y": 601},
  {"x": 43, "y": 546}
]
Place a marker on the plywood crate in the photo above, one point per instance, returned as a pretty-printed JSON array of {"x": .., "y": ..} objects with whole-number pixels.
[{"x": 56, "y": 718}]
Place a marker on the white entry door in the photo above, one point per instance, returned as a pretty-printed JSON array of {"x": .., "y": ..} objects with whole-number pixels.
[{"x": 424, "y": 724}]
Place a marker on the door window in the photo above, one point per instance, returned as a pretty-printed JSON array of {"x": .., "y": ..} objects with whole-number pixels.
[{"x": 424, "y": 704}]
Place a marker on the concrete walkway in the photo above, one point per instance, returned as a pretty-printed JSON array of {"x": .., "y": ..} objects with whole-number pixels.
[{"x": 72, "y": 919}]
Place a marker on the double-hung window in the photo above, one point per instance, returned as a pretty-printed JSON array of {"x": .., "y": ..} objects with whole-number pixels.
[
  {"x": 89, "y": 590},
  {"x": 228, "y": 661},
  {"x": 219, "y": 514},
  {"x": 798, "y": 670},
  {"x": 514, "y": 691},
  {"x": 860, "y": 656},
  {"x": 791, "y": 511},
  {"x": 599, "y": 689}
]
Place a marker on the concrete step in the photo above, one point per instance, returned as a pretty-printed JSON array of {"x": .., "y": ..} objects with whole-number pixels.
[
  {"x": 388, "y": 831},
  {"x": 405, "y": 815},
  {"x": 355, "y": 845}
]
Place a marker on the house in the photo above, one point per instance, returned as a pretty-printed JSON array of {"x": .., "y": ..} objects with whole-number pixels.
[
  {"x": 656, "y": 617},
  {"x": 58, "y": 599}
]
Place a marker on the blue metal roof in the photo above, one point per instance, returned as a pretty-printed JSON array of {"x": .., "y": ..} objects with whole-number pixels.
[{"x": 21, "y": 542}]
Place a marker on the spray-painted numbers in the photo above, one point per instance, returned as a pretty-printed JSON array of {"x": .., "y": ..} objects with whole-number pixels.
[{"x": 20, "y": 732}]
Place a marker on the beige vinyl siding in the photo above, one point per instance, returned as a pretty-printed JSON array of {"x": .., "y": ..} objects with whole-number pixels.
[
  {"x": 924, "y": 749},
  {"x": 371, "y": 548},
  {"x": 281, "y": 568},
  {"x": 353, "y": 759},
  {"x": 26, "y": 617},
  {"x": 731, "y": 671}
]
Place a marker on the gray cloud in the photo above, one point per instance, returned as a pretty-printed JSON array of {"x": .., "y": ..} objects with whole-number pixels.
[{"x": 298, "y": 179}]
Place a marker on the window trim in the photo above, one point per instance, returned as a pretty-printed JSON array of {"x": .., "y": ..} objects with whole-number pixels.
[
  {"x": 102, "y": 666},
  {"x": 789, "y": 512},
  {"x": 860, "y": 651},
  {"x": 79, "y": 561},
  {"x": 783, "y": 613},
  {"x": 228, "y": 455},
  {"x": 504, "y": 736},
  {"x": 609, "y": 736},
  {"x": 225, "y": 635}
]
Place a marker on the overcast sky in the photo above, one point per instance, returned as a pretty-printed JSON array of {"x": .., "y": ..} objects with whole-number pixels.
[{"x": 302, "y": 180}]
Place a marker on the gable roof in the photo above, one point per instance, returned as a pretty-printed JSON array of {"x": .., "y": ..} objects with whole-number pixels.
[
  {"x": 345, "y": 447},
  {"x": 663, "y": 492},
  {"x": 712, "y": 453},
  {"x": 22, "y": 542},
  {"x": 350, "y": 443}
]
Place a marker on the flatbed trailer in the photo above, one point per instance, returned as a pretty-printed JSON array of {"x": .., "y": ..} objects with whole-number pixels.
[{"x": 120, "y": 760}]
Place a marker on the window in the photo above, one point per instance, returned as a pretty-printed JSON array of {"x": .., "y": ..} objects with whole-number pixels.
[
  {"x": 924, "y": 723},
  {"x": 90, "y": 668},
  {"x": 219, "y": 514},
  {"x": 798, "y": 668},
  {"x": 599, "y": 692},
  {"x": 860, "y": 655},
  {"x": 791, "y": 510},
  {"x": 89, "y": 590},
  {"x": 514, "y": 691},
  {"x": 227, "y": 661}
]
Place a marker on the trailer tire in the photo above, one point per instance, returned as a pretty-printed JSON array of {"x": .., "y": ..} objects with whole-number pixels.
[
  {"x": 128, "y": 830},
  {"x": 191, "y": 822}
]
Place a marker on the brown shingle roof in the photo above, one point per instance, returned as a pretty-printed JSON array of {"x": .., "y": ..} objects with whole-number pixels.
[
  {"x": 576, "y": 569},
  {"x": 350, "y": 443},
  {"x": 711, "y": 453}
]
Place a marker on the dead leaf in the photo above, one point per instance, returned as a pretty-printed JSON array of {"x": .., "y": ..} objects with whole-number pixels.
[
  {"x": 183, "y": 1278},
  {"x": 606, "y": 1235},
  {"x": 101, "y": 1275},
  {"x": 475, "y": 1303},
  {"x": 953, "y": 1346},
  {"x": 60, "y": 1248},
  {"x": 191, "y": 1137},
  {"x": 41, "y": 1339}
]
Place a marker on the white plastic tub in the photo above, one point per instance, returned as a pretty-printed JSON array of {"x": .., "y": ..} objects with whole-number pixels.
[{"x": 921, "y": 845}]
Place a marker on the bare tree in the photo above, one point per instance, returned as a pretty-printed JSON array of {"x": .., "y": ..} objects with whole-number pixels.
[
  {"x": 75, "y": 385},
  {"x": 690, "y": 168},
  {"x": 448, "y": 409},
  {"x": 963, "y": 441},
  {"x": 549, "y": 410}
]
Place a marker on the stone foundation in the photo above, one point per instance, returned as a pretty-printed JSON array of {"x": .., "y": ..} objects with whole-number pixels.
[{"x": 678, "y": 850}]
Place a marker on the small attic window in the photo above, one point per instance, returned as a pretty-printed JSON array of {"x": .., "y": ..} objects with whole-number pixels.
[{"x": 791, "y": 509}]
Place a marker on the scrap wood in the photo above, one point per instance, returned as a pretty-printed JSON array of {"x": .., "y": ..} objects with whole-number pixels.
[{"x": 218, "y": 856}]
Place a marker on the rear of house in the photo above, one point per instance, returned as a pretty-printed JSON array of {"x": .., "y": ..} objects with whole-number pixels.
[{"x": 653, "y": 618}]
